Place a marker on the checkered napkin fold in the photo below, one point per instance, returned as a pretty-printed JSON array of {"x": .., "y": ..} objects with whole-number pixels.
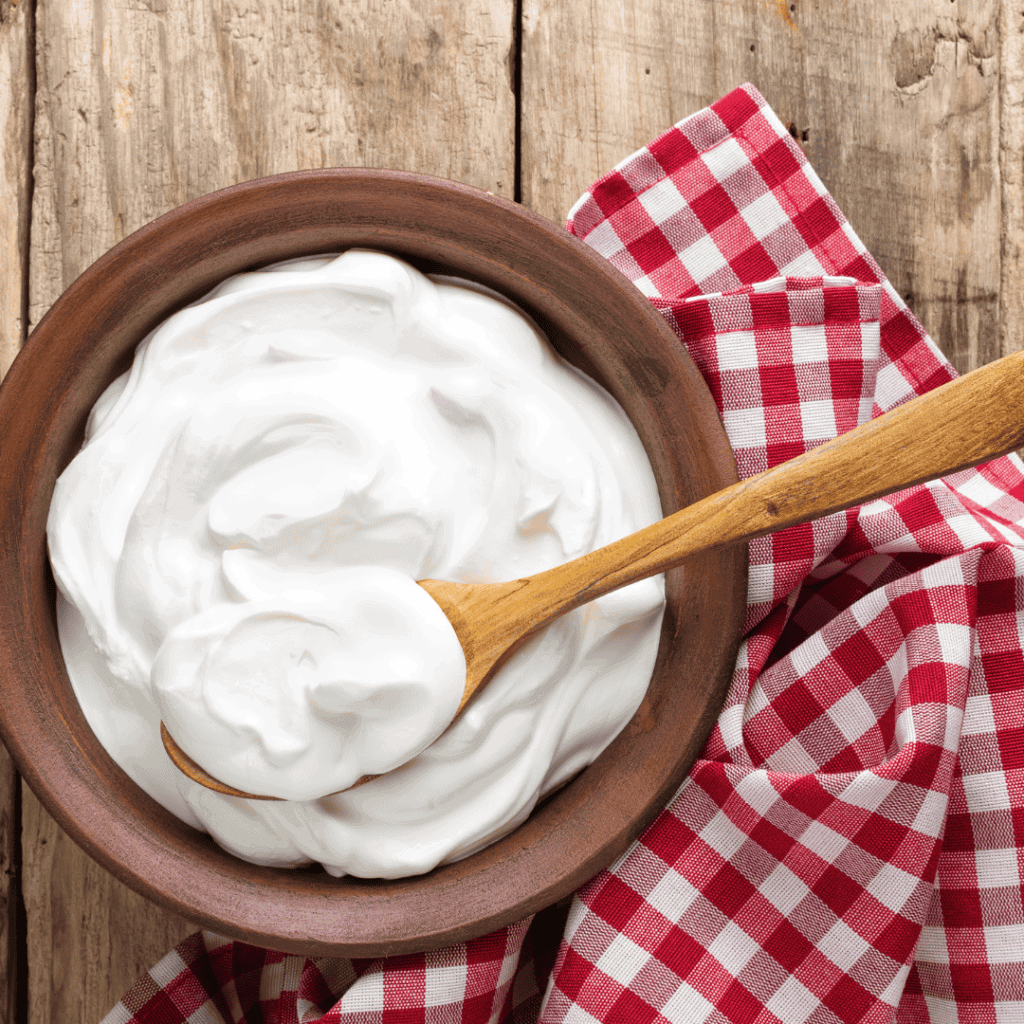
[{"x": 850, "y": 845}]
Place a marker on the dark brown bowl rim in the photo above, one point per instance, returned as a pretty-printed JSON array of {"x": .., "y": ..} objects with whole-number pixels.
[{"x": 579, "y": 831}]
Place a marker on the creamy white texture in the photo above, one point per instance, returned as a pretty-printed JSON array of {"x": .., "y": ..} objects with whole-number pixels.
[
  {"x": 236, "y": 548},
  {"x": 299, "y": 698}
]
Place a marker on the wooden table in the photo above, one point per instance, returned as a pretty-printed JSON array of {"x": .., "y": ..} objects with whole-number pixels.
[{"x": 113, "y": 111}]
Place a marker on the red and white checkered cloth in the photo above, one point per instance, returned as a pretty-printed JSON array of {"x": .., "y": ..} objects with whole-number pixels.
[{"x": 850, "y": 846}]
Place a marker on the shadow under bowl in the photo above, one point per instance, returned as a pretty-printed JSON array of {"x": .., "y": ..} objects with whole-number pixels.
[{"x": 595, "y": 318}]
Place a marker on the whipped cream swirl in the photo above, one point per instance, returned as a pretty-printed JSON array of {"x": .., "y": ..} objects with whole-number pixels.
[{"x": 237, "y": 543}]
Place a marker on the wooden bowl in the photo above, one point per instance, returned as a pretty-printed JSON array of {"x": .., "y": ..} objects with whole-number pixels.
[{"x": 595, "y": 317}]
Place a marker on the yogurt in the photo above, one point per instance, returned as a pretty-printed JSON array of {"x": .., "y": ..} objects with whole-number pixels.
[{"x": 237, "y": 544}]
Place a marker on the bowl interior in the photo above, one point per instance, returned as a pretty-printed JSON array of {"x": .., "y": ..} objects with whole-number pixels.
[{"x": 595, "y": 318}]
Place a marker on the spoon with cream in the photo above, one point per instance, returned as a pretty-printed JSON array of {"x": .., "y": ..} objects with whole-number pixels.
[{"x": 961, "y": 424}]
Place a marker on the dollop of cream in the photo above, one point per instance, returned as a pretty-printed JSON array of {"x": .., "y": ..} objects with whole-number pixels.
[
  {"x": 299, "y": 699},
  {"x": 237, "y": 545}
]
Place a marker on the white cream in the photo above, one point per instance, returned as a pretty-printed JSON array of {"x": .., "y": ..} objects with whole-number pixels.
[{"x": 236, "y": 548}]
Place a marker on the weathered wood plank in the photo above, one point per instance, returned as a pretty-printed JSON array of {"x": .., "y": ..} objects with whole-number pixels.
[
  {"x": 897, "y": 107},
  {"x": 144, "y": 104},
  {"x": 16, "y": 84},
  {"x": 1011, "y": 147},
  {"x": 90, "y": 938},
  {"x": 16, "y": 81},
  {"x": 600, "y": 80},
  {"x": 10, "y": 938}
]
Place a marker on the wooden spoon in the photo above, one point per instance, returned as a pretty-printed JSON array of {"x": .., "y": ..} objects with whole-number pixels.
[{"x": 970, "y": 420}]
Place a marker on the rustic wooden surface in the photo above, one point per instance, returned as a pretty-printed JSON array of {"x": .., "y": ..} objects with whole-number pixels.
[
  {"x": 899, "y": 107},
  {"x": 16, "y": 88},
  {"x": 913, "y": 114},
  {"x": 17, "y": 80}
]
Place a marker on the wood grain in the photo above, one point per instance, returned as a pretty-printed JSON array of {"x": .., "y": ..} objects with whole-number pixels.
[
  {"x": 1011, "y": 169},
  {"x": 145, "y": 104},
  {"x": 11, "y": 936},
  {"x": 896, "y": 105},
  {"x": 174, "y": 99},
  {"x": 16, "y": 86},
  {"x": 90, "y": 938}
]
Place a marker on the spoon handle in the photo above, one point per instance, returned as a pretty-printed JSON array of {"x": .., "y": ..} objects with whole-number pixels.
[
  {"x": 968, "y": 421},
  {"x": 963, "y": 423}
]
